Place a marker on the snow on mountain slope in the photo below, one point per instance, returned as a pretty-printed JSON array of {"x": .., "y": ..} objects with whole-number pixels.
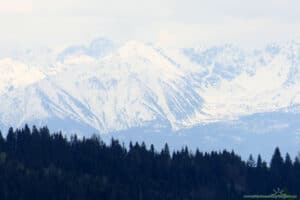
[
  {"x": 105, "y": 89},
  {"x": 242, "y": 83},
  {"x": 128, "y": 88}
]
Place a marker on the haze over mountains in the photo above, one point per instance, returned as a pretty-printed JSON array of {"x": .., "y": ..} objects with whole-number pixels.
[{"x": 213, "y": 97}]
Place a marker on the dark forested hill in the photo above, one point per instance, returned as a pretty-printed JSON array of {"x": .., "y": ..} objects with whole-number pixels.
[{"x": 35, "y": 164}]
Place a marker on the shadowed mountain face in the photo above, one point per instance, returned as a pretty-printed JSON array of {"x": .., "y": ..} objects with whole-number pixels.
[{"x": 195, "y": 92}]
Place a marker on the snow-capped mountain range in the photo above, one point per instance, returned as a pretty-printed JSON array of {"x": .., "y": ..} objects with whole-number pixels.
[{"x": 107, "y": 88}]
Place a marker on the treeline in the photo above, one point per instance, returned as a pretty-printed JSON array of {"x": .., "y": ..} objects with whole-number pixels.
[{"x": 35, "y": 165}]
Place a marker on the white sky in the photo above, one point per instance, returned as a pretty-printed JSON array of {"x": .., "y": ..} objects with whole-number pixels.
[{"x": 28, "y": 23}]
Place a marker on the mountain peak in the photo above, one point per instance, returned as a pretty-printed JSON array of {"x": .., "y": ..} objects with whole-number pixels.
[
  {"x": 16, "y": 74},
  {"x": 134, "y": 47}
]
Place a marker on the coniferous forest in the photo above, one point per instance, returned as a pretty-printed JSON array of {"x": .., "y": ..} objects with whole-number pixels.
[{"x": 35, "y": 165}]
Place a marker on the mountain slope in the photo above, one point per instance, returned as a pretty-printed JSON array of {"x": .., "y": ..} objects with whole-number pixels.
[
  {"x": 132, "y": 86},
  {"x": 101, "y": 88}
]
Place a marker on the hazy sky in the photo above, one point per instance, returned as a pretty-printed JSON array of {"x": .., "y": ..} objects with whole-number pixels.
[{"x": 27, "y": 23}]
